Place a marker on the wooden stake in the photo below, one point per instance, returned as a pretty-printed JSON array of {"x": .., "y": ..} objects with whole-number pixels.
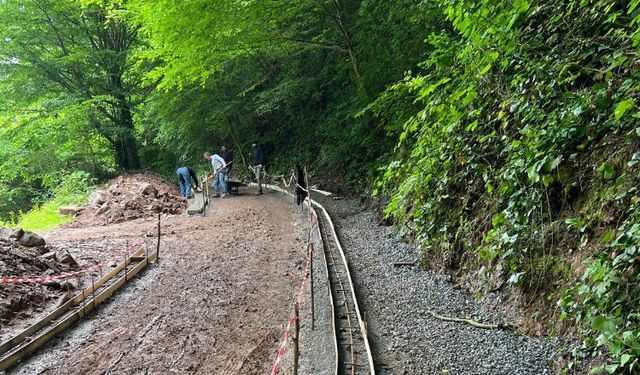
[
  {"x": 296, "y": 339},
  {"x": 204, "y": 200},
  {"x": 93, "y": 290},
  {"x": 158, "y": 245},
  {"x": 126, "y": 254},
  {"x": 313, "y": 305}
]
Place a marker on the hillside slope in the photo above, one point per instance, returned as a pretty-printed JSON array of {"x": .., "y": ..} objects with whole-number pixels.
[{"x": 520, "y": 170}]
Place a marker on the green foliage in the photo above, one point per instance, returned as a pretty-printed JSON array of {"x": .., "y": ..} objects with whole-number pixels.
[
  {"x": 607, "y": 298},
  {"x": 77, "y": 57},
  {"x": 293, "y": 76},
  {"x": 508, "y": 127},
  {"x": 73, "y": 190},
  {"x": 514, "y": 104},
  {"x": 38, "y": 148}
]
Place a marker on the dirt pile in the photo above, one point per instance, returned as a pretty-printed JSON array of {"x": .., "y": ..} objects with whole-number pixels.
[
  {"x": 130, "y": 197},
  {"x": 25, "y": 254}
]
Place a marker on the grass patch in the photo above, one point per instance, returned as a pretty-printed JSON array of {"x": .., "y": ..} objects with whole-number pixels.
[
  {"x": 73, "y": 191},
  {"x": 45, "y": 217}
]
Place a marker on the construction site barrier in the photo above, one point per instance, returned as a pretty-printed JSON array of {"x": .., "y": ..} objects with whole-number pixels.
[{"x": 294, "y": 319}]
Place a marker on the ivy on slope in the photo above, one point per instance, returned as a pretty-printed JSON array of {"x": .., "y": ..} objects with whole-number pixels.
[{"x": 525, "y": 148}]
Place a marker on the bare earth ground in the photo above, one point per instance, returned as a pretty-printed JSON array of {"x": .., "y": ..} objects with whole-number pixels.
[{"x": 216, "y": 304}]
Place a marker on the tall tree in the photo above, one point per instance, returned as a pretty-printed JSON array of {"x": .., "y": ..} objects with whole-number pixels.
[{"x": 86, "y": 52}]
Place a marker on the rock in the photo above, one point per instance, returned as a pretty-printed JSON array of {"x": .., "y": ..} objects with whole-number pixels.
[
  {"x": 132, "y": 216},
  {"x": 96, "y": 199},
  {"x": 48, "y": 272},
  {"x": 52, "y": 265},
  {"x": 24, "y": 256},
  {"x": 149, "y": 190},
  {"x": 51, "y": 255},
  {"x": 70, "y": 210},
  {"x": 155, "y": 206},
  {"x": 118, "y": 220},
  {"x": 30, "y": 239},
  {"x": 16, "y": 234},
  {"x": 5, "y": 232},
  {"x": 103, "y": 209},
  {"x": 63, "y": 256},
  {"x": 64, "y": 298},
  {"x": 70, "y": 284}
]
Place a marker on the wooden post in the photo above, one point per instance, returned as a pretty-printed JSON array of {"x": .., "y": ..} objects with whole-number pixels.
[
  {"x": 93, "y": 290},
  {"x": 158, "y": 245},
  {"x": 296, "y": 339},
  {"x": 84, "y": 300},
  {"x": 309, "y": 206},
  {"x": 126, "y": 255},
  {"x": 204, "y": 200},
  {"x": 313, "y": 307}
]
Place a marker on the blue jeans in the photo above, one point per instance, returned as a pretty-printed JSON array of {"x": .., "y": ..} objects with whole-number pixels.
[
  {"x": 185, "y": 181},
  {"x": 219, "y": 182}
]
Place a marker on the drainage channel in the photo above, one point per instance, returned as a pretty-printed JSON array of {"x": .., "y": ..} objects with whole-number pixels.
[{"x": 354, "y": 352}]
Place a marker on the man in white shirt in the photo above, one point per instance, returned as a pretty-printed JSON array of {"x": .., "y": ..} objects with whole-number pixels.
[{"x": 219, "y": 174}]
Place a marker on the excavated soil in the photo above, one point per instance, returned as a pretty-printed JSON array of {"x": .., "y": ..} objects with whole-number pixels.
[
  {"x": 216, "y": 304},
  {"x": 130, "y": 197},
  {"x": 21, "y": 301}
]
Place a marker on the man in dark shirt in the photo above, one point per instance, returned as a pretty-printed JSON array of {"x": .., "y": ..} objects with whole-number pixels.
[
  {"x": 259, "y": 162},
  {"x": 227, "y": 155},
  {"x": 185, "y": 174}
]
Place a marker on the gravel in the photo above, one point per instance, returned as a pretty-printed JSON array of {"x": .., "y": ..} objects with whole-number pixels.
[{"x": 405, "y": 339}]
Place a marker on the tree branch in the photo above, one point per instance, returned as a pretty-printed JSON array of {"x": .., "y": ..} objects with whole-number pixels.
[{"x": 319, "y": 45}]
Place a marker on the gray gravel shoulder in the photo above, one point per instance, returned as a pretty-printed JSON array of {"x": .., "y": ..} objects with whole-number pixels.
[{"x": 405, "y": 339}]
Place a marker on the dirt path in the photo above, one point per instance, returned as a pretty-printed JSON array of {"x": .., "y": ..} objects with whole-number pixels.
[{"x": 215, "y": 305}]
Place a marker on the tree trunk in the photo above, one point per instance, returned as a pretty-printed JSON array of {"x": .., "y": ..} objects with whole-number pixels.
[
  {"x": 126, "y": 147},
  {"x": 239, "y": 149}
]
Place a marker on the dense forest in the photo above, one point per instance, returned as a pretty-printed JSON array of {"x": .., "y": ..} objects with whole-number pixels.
[{"x": 501, "y": 136}]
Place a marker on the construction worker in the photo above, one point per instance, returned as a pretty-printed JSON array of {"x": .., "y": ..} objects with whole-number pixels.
[
  {"x": 259, "y": 162},
  {"x": 219, "y": 174},
  {"x": 227, "y": 155},
  {"x": 185, "y": 174}
]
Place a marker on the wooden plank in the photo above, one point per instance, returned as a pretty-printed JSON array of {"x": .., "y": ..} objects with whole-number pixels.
[
  {"x": 38, "y": 341},
  {"x": 9, "y": 344},
  {"x": 323, "y": 192},
  {"x": 89, "y": 291},
  {"x": 195, "y": 204},
  {"x": 80, "y": 312},
  {"x": 30, "y": 331},
  {"x": 363, "y": 327},
  {"x": 121, "y": 281}
]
